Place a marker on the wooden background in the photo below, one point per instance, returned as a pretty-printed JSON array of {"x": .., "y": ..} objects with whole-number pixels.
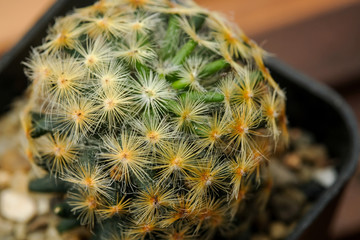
[{"x": 318, "y": 37}]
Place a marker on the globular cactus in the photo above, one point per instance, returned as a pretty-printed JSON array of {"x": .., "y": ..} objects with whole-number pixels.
[{"x": 157, "y": 118}]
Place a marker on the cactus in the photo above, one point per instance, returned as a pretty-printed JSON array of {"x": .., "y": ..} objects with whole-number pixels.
[{"x": 156, "y": 117}]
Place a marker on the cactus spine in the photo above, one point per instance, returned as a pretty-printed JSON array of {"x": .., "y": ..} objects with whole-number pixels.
[{"x": 156, "y": 117}]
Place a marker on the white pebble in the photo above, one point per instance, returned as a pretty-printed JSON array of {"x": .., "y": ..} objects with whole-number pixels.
[
  {"x": 325, "y": 176},
  {"x": 43, "y": 205},
  {"x": 16, "y": 206}
]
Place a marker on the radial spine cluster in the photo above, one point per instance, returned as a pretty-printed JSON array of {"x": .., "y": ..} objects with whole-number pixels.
[{"x": 159, "y": 115}]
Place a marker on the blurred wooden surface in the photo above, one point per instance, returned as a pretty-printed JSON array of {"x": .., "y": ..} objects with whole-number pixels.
[
  {"x": 258, "y": 16},
  {"x": 321, "y": 38},
  {"x": 16, "y": 17},
  {"x": 325, "y": 47}
]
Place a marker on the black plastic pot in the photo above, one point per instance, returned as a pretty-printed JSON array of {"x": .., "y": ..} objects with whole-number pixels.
[
  {"x": 317, "y": 108},
  {"x": 311, "y": 106}
]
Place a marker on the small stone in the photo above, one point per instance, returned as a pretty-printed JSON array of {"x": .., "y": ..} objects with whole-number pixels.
[
  {"x": 7, "y": 237},
  {"x": 16, "y": 206},
  {"x": 325, "y": 176},
  {"x": 281, "y": 175},
  {"x": 278, "y": 230},
  {"x": 76, "y": 234},
  {"x": 287, "y": 204},
  {"x": 13, "y": 161},
  {"x": 295, "y": 134},
  {"x": 36, "y": 236},
  {"x": 53, "y": 234},
  {"x": 299, "y": 138},
  {"x": 5, "y": 178},
  {"x": 20, "y": 231},
  {"x": 292, "y": 161},
  {"x": 260, "y": 237},
  {"x": 20, "y": 181},
  {"x": 38, "y": 223},
  {"x": 315, "y": 154},
  {"x": 43, "y": 205},
  {"x": 305, "y": 173},
  {"x": 6, "y": 228}
]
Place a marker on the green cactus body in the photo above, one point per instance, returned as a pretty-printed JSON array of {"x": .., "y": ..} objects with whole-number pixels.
[{"x": 156, "y": 117}]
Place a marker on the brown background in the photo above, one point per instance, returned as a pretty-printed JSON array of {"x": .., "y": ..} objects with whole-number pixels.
[{"x": 318, "y": 37}]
